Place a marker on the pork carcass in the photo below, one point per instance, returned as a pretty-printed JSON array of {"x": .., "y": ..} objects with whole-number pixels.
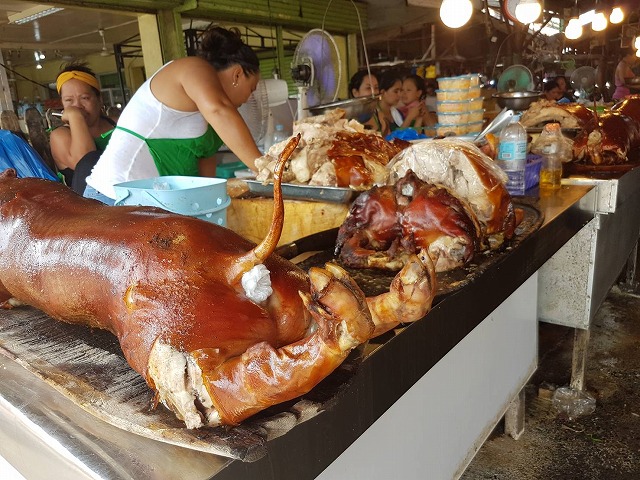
[
  {"x": 468, "y": 174},
  {"x": 609, "y": 141},
  {"x": 333, "y": 152},
  {"x": 220, "y": 328},
  {"x": 605, "y": 139},
  {"x": 387, "y": 225},
  {"x": 570, "y": 115}
]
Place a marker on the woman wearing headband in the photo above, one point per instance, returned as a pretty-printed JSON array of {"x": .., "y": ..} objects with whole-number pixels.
[
  {"x": 181, "y": 116},
  {"x": 76, "y": 147}
]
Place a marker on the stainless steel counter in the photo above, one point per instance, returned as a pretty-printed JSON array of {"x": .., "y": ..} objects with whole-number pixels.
[
  {"x": 42, "y": 433},
  {"x": 574, "y": 282}
]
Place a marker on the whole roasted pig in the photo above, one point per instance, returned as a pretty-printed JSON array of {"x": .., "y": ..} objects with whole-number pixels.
[{"x": 220, "y": 328}]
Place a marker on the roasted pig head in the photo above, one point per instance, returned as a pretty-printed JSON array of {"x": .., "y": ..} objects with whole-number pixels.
[
  {"x": 219, "y": 327},
  {"x": 387, "y": 225},
  {"x": 608, "y": 142},
  {"x": 470, "y": 176}
]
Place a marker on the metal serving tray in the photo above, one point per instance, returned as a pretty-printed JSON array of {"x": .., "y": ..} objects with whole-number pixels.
[{"x": 305, "y": 192}]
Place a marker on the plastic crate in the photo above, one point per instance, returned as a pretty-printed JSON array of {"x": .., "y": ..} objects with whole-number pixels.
[
  {"x": 532, "y": 171},
  {"x": 201, "y": 197}
]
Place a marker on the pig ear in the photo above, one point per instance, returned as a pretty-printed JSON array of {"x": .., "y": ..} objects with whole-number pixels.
[{"x": 8, "y": 173}]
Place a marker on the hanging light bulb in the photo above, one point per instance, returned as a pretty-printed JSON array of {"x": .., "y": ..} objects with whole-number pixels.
[
  {"x": 455, "y": 13},
  {"x": 528, "y": 11},
  {"x": 573, "y": 29},
  {"x": 636, "y": 43},
  {"x": 599, "y": 22},
  {"x": 617, "y": 15}
]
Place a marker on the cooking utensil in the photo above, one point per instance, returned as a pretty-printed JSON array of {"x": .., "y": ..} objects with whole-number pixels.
[
  {"x": 516, "y": 100},
  {"x": 500, "y": 120},
  {"x": 355, "y": 107}
]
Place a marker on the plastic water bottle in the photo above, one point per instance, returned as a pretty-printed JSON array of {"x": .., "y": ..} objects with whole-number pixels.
[{"x": 512, "y": 155}]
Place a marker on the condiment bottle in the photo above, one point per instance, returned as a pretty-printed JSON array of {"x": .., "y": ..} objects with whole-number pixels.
[{"x": 553, "y": 154}]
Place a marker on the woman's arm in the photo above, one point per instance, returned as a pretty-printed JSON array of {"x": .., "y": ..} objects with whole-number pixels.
[
  {"x": 202, "y": 85},
  {"x": 69, "y": 145},
  {"x": 414, "y": 116}
]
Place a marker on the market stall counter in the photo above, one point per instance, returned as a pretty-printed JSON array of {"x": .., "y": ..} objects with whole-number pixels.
[
  {"x": 421, "y": 399},
  {"x": 575, "y": 281}
]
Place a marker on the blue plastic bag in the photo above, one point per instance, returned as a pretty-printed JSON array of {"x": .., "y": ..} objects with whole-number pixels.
[
  {"x": 407, "y": 134},
  {"x": 17, "y": 154}
]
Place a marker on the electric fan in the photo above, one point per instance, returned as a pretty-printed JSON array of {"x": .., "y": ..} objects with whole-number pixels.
[
  {"x": 256, "y": 111},
  {"x": 516, "y": 78},
  {"x": 317, "y": 70},
  {"x": 583, "y": 81}
]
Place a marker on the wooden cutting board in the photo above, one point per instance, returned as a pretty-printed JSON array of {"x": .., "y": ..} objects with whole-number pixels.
[
  {"x": 251, "y": 218},
  {"x": 88, "y": 367}
]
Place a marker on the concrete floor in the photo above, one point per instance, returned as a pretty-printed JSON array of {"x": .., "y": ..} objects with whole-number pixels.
[{"x": 602, "y": 446}]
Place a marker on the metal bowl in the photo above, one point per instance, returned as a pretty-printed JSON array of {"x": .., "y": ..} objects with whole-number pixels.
[
  {"x": 358, "y": 108},
  {"x": 516, "y": 100}
]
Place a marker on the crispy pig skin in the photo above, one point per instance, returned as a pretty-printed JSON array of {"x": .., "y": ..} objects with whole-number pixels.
[{"x": 168, "y": 287}]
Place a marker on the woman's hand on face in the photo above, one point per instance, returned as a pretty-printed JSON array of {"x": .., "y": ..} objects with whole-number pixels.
[{"x": 70, "y": 113}]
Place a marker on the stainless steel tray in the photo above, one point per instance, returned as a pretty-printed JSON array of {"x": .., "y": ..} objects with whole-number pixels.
[{"x": 305, "y": 192}]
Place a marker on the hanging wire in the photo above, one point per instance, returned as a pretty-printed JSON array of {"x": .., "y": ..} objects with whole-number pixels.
[{"x": 364, "y": 45}]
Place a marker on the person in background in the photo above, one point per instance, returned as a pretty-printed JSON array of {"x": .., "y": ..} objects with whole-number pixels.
[
  {"x": 387, "y": 118},
  {"x": 413, "y": 109},
  {"x": 623, "y": 74},
  {"x": 565, "y": 95},
  {"x": 363, "y": 84},
  {"x": 551, "y": 90},
  {"x": 77, "y": 145},
  {"x": 181, "y": 116},
  {"x": 430, "y": 97}
]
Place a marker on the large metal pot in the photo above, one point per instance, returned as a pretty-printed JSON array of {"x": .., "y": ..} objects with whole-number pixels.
[
  {"x": 516, "y": 100},
  {"x": 355, "y": 107}
]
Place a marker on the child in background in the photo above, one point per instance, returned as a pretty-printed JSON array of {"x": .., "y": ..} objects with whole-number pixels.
[
  {"x": 387, "y": 117},
  {"x": 413, "y": 109}
]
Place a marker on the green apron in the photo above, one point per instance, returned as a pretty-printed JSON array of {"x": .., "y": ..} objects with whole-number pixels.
[{"x": 179, "y": 156}]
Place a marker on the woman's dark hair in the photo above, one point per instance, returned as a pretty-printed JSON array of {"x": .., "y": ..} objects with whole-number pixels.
[
  {"x": 549, "y": 85},
  {"x": 418, "y": 81},
  {"x": 79, "y": 66},
  {"x": 388, "y": 80},
  {"x": 357, "y": 79},
  {"x": 223, "y": 48}
]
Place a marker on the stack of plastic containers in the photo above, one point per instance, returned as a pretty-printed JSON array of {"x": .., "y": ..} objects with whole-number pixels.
[{"x": 459, "y": 105}]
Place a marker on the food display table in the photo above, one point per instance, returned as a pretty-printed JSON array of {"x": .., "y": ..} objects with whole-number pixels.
[
  {"x": 427, "y": 395},
  {"x": 574, "y": 282}
]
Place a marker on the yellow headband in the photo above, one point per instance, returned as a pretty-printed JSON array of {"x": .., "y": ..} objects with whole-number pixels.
[{"x": 87, "y": 78}]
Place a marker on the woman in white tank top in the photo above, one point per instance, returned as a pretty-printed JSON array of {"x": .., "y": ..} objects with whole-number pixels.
[{"x": 181, "y": 116}]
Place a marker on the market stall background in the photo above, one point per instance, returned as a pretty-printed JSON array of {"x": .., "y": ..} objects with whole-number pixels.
[{"x": 116, "y": 38}]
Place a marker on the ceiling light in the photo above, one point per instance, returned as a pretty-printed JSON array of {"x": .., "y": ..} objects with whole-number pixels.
[
  {"x": 599, "y": 22},
  {"x": 573, "y": 29},
  {"x": 528, "y": 11},
  {"x": 33, "y": 13},
  {"x": 617, "y": 15},
  {"x": 38, "y": 66},
  {"x": 455, "y": 13},
  {"x": 636, "y": 43}
]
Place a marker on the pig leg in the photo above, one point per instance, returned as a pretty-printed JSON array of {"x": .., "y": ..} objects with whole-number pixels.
[
  {"x": 409, "y": 297},
  {"x": 264, "y": 376}
]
